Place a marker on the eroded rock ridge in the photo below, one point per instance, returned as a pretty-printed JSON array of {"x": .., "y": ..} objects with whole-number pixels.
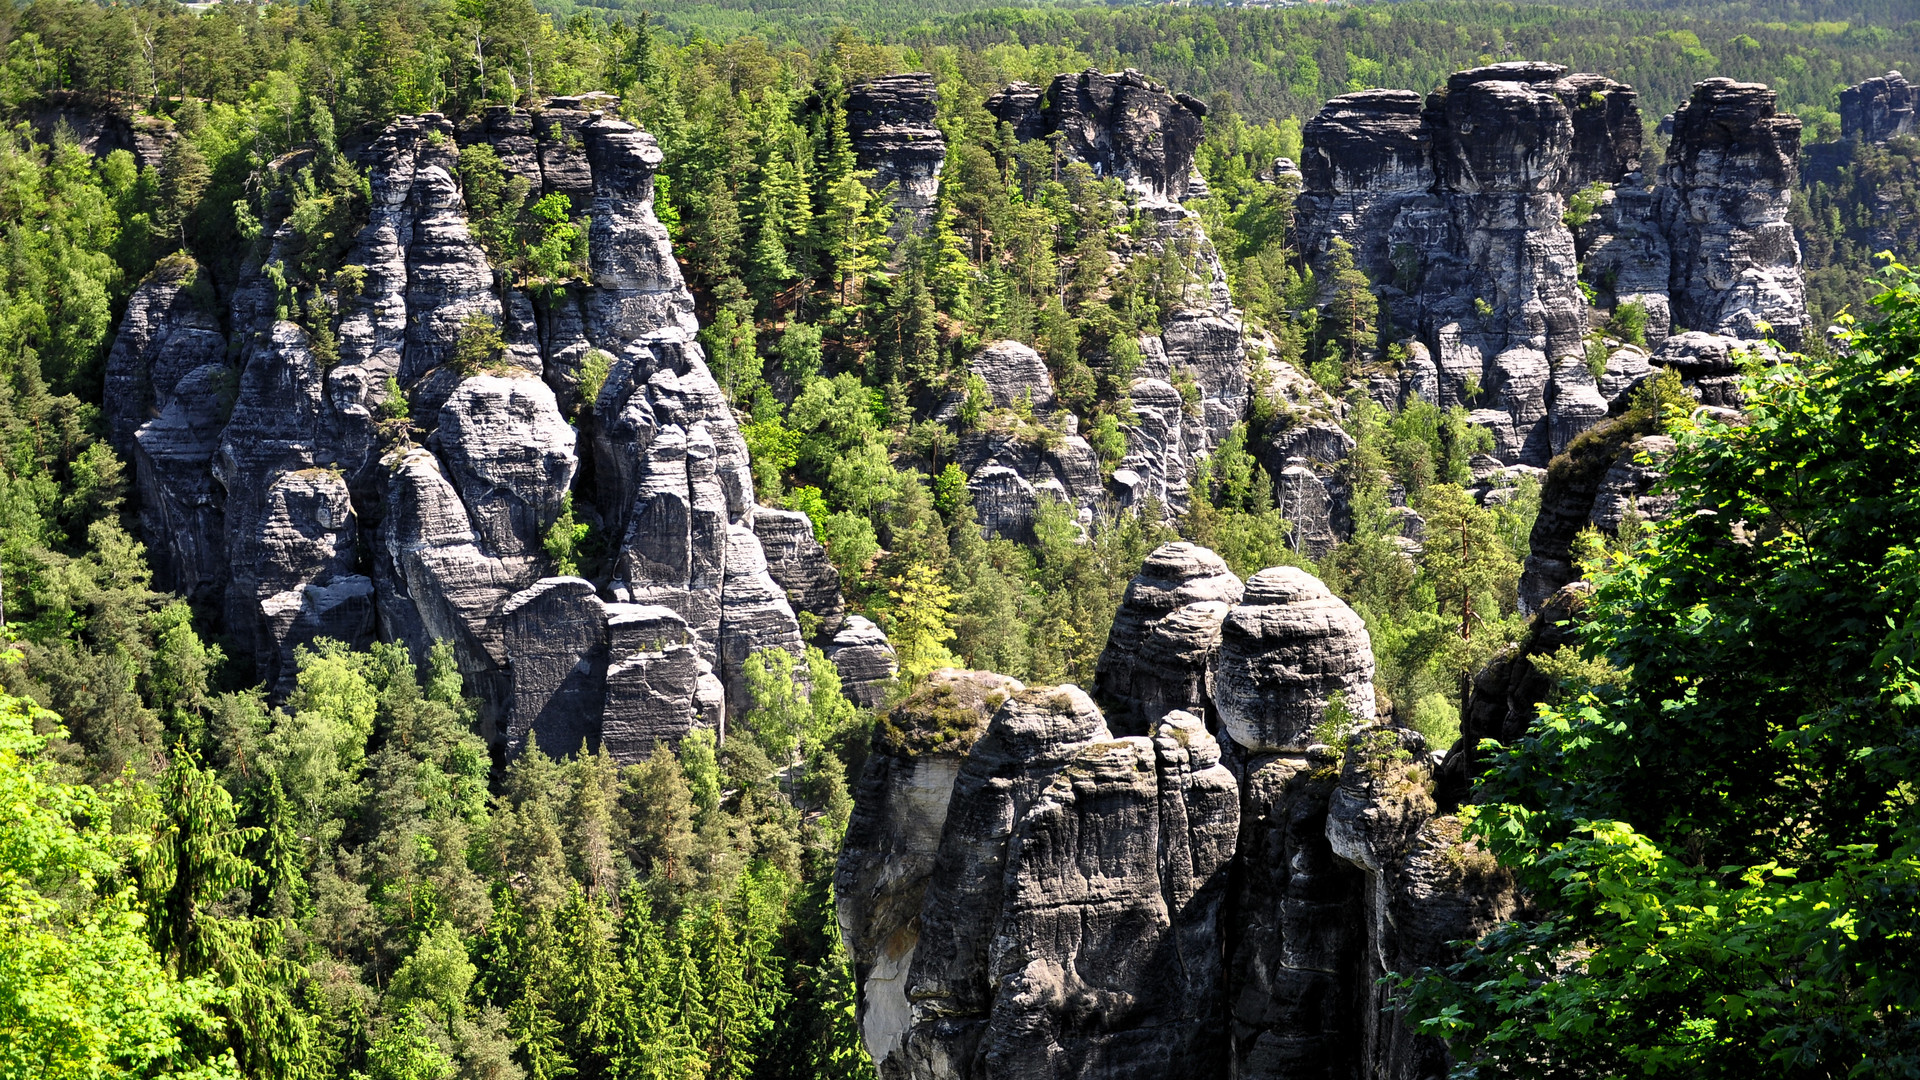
[{"x": 1029, "y": 890}]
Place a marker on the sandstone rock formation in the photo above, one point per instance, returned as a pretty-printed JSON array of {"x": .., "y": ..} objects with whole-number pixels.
[
  {"x": 1605, "y": 478},
  {"x": 1879, "y": 108},
  {"x": 1123, "y": 125},
  {"x": 1167, "y": 627},
  {"x": 1455, "y": 208},
  {"x": 1069, "y": 925},
  {"x": 1503, "y": 700},
  {"x": 1287, "y": 651},
  {"x": 865, "y": 660},
  {"x": 891, "y": 123},
  {"x": 1014, "y": 376},
  {"x": 278, "y": 505},
  {"x": 1032, "y": 895},
  {"x": 900, "y": 810},
  {"x": 1727, "y": 186},
  {"x": 798, "y": 564}
]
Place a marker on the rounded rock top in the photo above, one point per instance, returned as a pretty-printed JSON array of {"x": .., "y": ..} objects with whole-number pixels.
[{"x": 1283, "y": 585}]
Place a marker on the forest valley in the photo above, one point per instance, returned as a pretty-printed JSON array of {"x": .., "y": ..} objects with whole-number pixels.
[{"x": 203, "y": 875}]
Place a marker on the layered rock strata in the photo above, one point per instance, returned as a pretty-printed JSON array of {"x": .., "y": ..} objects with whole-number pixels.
[
  {"x": 1879, "y": 108},
  {"x": 891, "y": 123},
  {"x": 279, "y": 505},
  {"x": 1727, "y": 187}
]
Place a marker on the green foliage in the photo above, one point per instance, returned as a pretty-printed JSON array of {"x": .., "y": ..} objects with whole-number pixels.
[
  {"x": 1717, "y": 836},
  {"x": 1583, "y": 204},
  {"x": 919, "y": 625},
  {"x": 82, "y": 992},
  {"x": 594, "y": 369},
  {"x": 1629, "y": 323},
  {"x": 565, "y": 540},
  {"x": 479, "y": 348}
]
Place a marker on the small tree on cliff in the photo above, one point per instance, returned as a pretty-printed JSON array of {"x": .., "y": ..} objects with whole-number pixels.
[{"x": 1348, "y": 318}]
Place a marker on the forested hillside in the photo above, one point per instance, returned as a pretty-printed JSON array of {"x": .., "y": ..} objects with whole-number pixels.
[{"x": 285, "y": 843}]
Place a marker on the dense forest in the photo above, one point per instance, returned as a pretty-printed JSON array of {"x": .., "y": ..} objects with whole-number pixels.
[{"x": 199, "y": 881}]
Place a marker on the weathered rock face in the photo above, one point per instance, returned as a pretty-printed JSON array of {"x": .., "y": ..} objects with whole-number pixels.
[
  {"x": 1010, "y": 469},
  {"x": 1192, "y": 384},
  {"x": 1366, "y": 157},
  {"x": 798, "y": 563},
  {"x": 865, "y": 660},
  {"x": 891, "y": 123},
  {"x": 1455, "y": 211},
  {"x": 1296, "y": 950},
  {"x": 1033, "y": 896},
  {"x": 169, "y": 330},
  {"x": 1123, "y": 125},
  {"x": 280, "y": 504},
  {"x": 1014, "y": 376},
  {"x": 1879, "y": 109},
  {"x": 1069, "y": 926},
  {"x": 1727, "y": 189},
  {"x": 1425, "y": 887},
  {"x": 1603, "y": 479},
  {"x": 900, "y": 810},
  {"x": 1167, "y": 627},
  {"x": 1286, "y": 650}
]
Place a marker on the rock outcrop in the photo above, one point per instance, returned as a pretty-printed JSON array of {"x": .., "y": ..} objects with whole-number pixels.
[
  {"x": 279, "y": 505},
  {"x": 1069, "y": 925},
  {"x": 1457, "y": 209},
  {"x": 1288, "y": 650},
  {"x": 1034, "y": 896},
  {"x": 798, "y": 563},
  {"x": 900, "y": 810},
  {"x": 1167, "y": 627},
  {"x": 1505, "y": 696},
  {"x": 1879, "y": 108},
  {"x": 865, "y": 660},
  {"x": 169, "y": 330},
  {"x": 1014, "y": 376},
  {"x": 1604, "y": 479},
  {"x": 1727, "y": 187},
  {"x": 1124, "y": 125},
  {"x": 891, "y": 123}
]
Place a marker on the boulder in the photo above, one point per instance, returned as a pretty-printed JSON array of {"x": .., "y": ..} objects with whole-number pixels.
[
  {"x": 654, "y": 677},
  {"x": 1014, "y": 375}
]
